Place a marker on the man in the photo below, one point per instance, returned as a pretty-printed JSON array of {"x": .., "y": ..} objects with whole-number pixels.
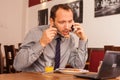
[{"x": 38, "y": 48}]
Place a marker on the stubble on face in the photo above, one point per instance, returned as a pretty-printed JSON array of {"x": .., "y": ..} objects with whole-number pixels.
[{"x": 64, "y": 18}]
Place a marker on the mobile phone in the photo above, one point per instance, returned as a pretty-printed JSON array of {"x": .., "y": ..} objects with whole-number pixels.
[{"x": 73, "y": 29}]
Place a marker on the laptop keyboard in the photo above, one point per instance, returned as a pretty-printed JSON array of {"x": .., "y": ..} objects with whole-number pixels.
[{"x": 91, "y": 76}]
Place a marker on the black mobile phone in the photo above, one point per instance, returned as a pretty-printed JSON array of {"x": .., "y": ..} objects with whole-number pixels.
[{"x": 72, "y": 28}]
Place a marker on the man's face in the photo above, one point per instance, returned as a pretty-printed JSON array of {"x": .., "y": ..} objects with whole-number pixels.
[{"x": 63, "y": 21}]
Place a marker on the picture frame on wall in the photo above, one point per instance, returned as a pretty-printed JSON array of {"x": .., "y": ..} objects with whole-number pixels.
[
  {"x": 43, "y": 17},
  {"x": 77, "y": 7},
  {"x": 106, "y": 7}
]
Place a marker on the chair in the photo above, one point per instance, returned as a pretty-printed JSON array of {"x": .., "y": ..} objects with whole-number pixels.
[
  {"x": 19, "y": 44},
  {"x": 108, "y": 47},
  {"x": 9, "y": 55},
  {"x": 1, "y": 61},
  {"x": 87, "y": 62},
  {"x": 111, "y": 47},
  {"x": 116, "y": 48},
  {"x": 96, "y": 55},
  {"x": 17, "y": 49}
]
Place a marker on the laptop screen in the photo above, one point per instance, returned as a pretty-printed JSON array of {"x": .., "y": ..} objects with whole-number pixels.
[{"x": 111, "y": 65}]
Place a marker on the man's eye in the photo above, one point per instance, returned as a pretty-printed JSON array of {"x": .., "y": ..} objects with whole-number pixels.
[
  {"x": 70, "y": 21},
  {"x": 61, "y": 22}
]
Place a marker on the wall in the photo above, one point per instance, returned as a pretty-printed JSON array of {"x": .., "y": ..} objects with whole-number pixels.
[
  {"x": 16, "y": 19},
  {"x": 101, "y": 31},
  {"x": 12, "y": 21}
]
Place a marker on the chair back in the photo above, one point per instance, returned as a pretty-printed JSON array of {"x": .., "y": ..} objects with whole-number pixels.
[
  {"x": 116, "y": 48},
  {"x": 1, "y": 61},
  {"x": 111, "y": 47},
  {"x": 19, "y": 44},
  {"x": 95, "y": 56},
  {"x": 108, "y": 47},
  {"x": 9, "y": 55}
]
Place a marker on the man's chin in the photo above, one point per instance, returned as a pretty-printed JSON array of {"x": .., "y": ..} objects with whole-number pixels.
[{"x": 67, "y": 36}]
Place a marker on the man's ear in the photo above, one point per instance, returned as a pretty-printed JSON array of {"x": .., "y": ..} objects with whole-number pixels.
[{"x": 51, "y": 21}]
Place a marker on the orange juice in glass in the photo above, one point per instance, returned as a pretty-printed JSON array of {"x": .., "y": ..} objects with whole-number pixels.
[{"x": 49, "y": 67}]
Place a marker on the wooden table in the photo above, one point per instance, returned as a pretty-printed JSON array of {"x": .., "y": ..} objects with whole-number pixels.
[{"x": 39, "y": 76}]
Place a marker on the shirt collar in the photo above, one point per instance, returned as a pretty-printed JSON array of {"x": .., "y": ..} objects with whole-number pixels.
[{"x": 62, "y": 38}]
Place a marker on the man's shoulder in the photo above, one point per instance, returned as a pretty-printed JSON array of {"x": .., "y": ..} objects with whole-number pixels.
[
  {"x": 43, "y": 27},
  {"x": 40, "y": 28}
]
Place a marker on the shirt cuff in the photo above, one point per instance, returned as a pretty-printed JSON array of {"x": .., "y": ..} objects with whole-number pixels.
[{"x": 83, "y": 44}]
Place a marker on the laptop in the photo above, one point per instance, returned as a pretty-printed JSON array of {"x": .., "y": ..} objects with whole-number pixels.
[{"x": 110, "y": 67}]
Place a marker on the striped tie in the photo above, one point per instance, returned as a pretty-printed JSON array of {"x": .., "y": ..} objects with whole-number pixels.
[{"x": 57, "y": 54}]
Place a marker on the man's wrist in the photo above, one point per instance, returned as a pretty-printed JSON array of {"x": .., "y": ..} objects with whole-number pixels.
[
  {"x": 84, "y": 38},
  {"x": 42, "y": 44}
]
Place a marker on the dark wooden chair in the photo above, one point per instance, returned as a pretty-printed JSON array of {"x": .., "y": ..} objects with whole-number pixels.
[
  {"x": 87, "y": 62},
  {"x": 116, "y": 48},
  {"x": 111, "y": 47},
  {"x": 9, "y": 55},
  {"x": 108, "y": 47},
  {"x": 1, "y": 61},
  {"x": 95, "y": 56},
  {"x": 17, "y": 49},
  {"x": 19, "y": 44}
]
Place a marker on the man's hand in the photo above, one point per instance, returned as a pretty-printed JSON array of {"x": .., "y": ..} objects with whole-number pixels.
[
  {"x": 48, "y": 35},
  {"x": 79, "y": 31}
]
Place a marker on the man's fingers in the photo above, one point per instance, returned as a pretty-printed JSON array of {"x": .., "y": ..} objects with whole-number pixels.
[
  {"x": 78, "y": 26},
  {"x": 52, "y": 24}
]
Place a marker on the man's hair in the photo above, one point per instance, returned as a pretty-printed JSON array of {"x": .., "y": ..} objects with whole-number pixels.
[{"x": 56, "y": 7}]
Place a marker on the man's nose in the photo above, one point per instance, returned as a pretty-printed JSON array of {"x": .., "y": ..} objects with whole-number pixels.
[{"x": 67, "y": 26}]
